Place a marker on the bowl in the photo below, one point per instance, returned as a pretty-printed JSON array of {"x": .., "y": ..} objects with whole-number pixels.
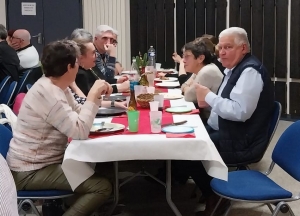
[{"x": 144, "y": 99}]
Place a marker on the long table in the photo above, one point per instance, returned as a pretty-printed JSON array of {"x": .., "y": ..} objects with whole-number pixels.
[{"x": 81, "y": 155}]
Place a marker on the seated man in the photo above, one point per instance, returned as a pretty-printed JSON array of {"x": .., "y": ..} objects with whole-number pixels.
[
  {"x": 9, "y": 61},
  {"x": 27, "y": 53},
  {"x": 240, "y": 111},
  {"x": 105, "y": 43}
]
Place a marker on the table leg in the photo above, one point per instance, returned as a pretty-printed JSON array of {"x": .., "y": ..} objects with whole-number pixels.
[
  {"x": 169, "y": 190},
  {"x": 116, "y": 189}
]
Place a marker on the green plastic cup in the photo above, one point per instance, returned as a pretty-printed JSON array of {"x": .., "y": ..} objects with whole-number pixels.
[{"x": 133, "y": 120}]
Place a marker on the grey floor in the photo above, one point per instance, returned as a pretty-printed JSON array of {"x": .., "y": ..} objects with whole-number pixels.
[{"x": 143, "y": 198}]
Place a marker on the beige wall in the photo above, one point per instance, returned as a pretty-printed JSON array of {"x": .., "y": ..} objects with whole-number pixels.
[
  {"x": 115, "y": 13},
  {"x": 2, "y": 12}
]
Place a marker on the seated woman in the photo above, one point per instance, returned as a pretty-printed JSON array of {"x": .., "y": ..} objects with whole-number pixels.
[
  {"x": 88, "y": 73},
  {"x": 197, "y": 59},
  {"x": 47, "y": 117}
]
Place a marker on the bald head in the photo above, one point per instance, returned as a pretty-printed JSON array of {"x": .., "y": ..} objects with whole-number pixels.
[
  {"x": 22, "y": 34},
  {"x": 21, "y": 38}
]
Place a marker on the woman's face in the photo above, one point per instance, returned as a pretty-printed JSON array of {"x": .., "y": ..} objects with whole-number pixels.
[
  {"x": 192, "y": 64},
  {"x": 88, "y": 59}
]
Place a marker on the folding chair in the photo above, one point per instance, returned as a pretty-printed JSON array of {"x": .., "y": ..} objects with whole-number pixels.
[
  {"x": 254, "y": 186},
  {"x": 23, "y": 195}
]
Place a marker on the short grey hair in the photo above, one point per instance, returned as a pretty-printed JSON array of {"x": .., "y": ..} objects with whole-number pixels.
[
  {"x": 240, "y": 35},
  {"x": 81, "y": 34},
  {"x": 105, "y": 28},
  {"x": 3, "y": 32}
]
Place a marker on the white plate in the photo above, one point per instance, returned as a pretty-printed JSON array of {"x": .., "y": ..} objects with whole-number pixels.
[
  {"x": 178, "y": 109},
  {"x": 170, "y": 96},
  {"x": 177, "y": 129},
  {"x": 129, "y": 72},
  {"x": 110, "y": 128},
  {"x": 168, "y": 84},
  {"x": 170, "y": 79},
  {"x": 170, "y": 70}
]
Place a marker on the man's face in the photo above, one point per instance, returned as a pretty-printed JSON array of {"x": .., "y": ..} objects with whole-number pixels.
[
  {"x": 16, "y": 42},
  {"x": 105, "y": 38},
  {"x": 230, "y": 53}
]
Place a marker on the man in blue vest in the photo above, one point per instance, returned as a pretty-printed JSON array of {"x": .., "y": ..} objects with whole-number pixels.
[{"x": 240, "y": 111}]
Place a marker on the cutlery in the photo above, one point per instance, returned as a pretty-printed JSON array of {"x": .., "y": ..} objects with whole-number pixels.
[{"x": 175, "y": 123}]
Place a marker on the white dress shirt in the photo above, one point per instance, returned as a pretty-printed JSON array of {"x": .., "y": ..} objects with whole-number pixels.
[
  {"x": 8, "y": 192},
  {"x": 243, "y": 98}
]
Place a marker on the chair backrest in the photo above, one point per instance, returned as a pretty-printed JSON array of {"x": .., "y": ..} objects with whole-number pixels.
[
  {"x": 35, "y": 74},
  {"x": 274, "y": 119},
  {"x": 6, "y": 136},
  {"x": 286, "y": 153},
  {"x": 28, "y": 86},
  {"x": 4, "y": 87},
  {"x": 8, "y": 99},
  {"x": 21, "y": 87}
]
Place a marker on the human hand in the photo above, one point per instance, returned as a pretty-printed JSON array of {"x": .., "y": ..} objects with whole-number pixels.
[
  {"x": 201, "y": 92},
  {"x": 124, "y": 87},
  {"x": 176, "y": 57},
  {"x": 122, "y": 79},
  {"x": 122, "y": 104},
  {"x": 99, "y": 88},
  {"x": 110, "y": 49}
]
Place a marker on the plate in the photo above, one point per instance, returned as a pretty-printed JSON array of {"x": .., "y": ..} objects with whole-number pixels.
[
  {"x": 115, "y": 98},
  {"x": 111, "y": 111},
  {"x": 170, "y": 96},
  {"x": 129, "y": 72},
  {"x": 169, "y": 79},
  {"x": 168, "y": 84},
  {"x": 107, "y": 128},
  {"x": 177, "y": 129},
  {"x": 170, "y": 70},
  {"x": 178, "y": 109}
]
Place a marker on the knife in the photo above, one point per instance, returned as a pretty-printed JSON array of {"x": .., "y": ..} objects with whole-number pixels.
[{"x": 175, "y": 123}]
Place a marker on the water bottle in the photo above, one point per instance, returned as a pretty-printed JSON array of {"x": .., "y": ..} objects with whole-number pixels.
[
  {"x": 151, "y": 57},
  {"x": 134, "y": 76}
]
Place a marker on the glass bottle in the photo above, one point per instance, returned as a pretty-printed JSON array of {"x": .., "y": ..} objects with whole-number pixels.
[{"x": 132, "y": 105}]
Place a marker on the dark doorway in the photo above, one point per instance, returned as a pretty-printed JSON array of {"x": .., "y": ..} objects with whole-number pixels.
[{"x": 54, "y": 19}]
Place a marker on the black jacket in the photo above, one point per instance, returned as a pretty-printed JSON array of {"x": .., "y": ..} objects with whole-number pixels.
[
  {"x": 9, "y": 62},
  {"x": 85, "y": 79},
  {"x": 242, "y": 142}
]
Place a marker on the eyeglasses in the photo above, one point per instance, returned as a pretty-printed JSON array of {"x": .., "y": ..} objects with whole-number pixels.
[{"x": 112, "y": 40}]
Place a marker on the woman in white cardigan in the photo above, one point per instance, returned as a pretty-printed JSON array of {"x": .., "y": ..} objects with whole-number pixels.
[{"x": 197, "y": 58}]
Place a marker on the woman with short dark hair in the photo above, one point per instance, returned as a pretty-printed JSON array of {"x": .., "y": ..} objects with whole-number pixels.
[{"x": 47, "y": 117}]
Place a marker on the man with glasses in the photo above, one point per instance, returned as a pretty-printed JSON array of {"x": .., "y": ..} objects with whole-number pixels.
[
  {"x": 27, "y": 53},
  {"x": 105, "y": 41},
  {"x": 9, "y": 61}
]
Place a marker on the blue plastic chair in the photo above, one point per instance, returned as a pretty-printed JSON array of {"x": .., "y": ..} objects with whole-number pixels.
[
  {"x": 21, "y": 87},
  {"x": 254, "y": 186},
  {"x": 28, "y": 86},
  {"x": 276, "y": 113},
  {"x": 26, "y": 197},
  {"x": 9, "y": 95},
  {"x": 4, "y": 87}
]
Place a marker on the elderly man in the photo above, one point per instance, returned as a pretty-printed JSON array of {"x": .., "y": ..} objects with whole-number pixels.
[
  {"x": 9, "y": 61},
  {"x": 105, "y": 43},
  {"x": 27, "y": 53},
  {"x": 240, "y": 111}
]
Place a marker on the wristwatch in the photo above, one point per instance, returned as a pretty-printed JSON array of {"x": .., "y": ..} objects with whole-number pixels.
[{"x": 112, "y": 103}]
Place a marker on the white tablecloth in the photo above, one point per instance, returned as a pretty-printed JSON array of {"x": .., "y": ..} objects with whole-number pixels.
[{"x": 79, "y": 153}]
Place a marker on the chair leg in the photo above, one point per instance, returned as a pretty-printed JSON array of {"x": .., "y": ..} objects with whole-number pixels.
[
  {"x": 212, "y": 214},
  {"x": 282, "y": 207},
  {"x": 31, "y": 204},
  {"x": 228, "y": 210},
  {"x": 270, "y": 207}
]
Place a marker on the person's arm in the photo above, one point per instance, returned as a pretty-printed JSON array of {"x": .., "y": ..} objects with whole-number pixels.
[
  {"x": 77, "y": 90},
  {"x": 187, "y": 84},
  {"x": 243, "y": 97},
  {"x": 181, "y": 68},
  {"x": 69, "y": 122}
]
